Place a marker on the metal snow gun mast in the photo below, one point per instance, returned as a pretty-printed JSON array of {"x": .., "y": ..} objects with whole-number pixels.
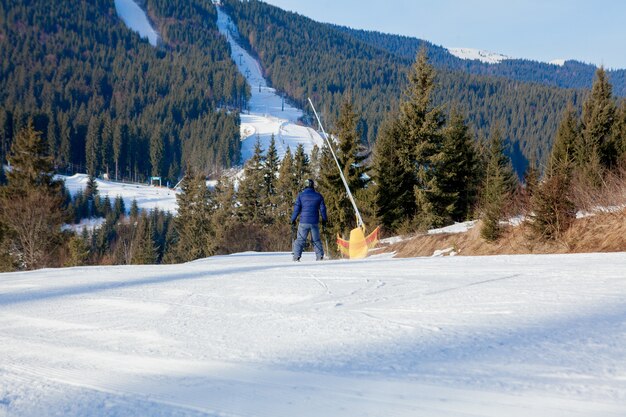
[{"x": 358, "y": 244}]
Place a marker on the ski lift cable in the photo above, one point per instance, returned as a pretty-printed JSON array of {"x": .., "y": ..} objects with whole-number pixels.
[{"x": 343, "y": 178}]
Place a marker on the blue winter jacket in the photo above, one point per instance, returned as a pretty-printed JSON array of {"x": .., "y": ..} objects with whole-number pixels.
[{"x": 309, "y": 204}]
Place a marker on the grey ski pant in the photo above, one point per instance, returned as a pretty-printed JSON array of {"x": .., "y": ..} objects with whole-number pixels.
[{"x": 303, "y": 233}]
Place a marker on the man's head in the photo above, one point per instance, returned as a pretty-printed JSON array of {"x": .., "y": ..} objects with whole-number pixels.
[{"x": 309, "y": 183}]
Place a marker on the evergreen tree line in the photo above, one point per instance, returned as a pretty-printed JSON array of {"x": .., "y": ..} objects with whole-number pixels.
[
  {"x": 427, "y": 170},
  {"x": 309, "y": 59},
  {"x": 108, "y": 102},
  {"x": 589, "y": 153}
]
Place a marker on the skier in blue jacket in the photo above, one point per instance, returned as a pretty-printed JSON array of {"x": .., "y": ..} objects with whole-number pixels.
[{"x": 309, "y": 205}]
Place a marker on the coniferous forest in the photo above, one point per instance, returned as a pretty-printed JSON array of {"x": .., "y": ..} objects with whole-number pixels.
[
  {"x": 305, "y": 58},
  {"x": 421, "y": 146},
  {"x": 106, "y": 101}
]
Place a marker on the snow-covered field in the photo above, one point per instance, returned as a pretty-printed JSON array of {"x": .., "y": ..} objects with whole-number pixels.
[
  {"x": 266, "y": 116},
  {"x": 257, "y": 335},
  {"x": 148, "y": 197}
]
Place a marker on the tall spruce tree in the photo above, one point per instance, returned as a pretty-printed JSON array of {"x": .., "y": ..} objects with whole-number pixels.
[
  {"x": 455, "y": 173},
  {"x": 285, "y": 190},
  {"x": 417, "y": 137},
  {"x": 563, "y": 155},
  {"x": 270, "y": 175},
  {"x": 393, "y": 184},
  {"x": 499, "y": 181},
  {"x": 157, "y": 152},
  {"x": 252, "y": 188},
  {"x": 301, "y": 166},
  {"x": 106, "y": 143},
  {"x": 599, "y": 111},
  {"x": 120, "y": 138},
  {"x": 92, "y": 146}
]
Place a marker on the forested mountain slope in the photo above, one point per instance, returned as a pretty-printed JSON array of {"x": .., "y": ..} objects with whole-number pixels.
[
  {"x": 307, "y": 58},
  {"x": 106, "y": 100},
  {"x": 573, "y": 74}
]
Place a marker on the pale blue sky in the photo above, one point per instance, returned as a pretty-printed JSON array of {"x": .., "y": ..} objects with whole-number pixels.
[{"x": 589, "y": 31}]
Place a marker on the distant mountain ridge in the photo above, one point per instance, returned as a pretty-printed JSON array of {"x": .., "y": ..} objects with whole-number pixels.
[{"x": 572, "y": 74}]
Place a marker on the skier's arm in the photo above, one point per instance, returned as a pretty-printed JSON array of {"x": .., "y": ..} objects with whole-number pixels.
[
  {"x": 323, "y": 210},
  {"x": 296, "y": 209}
]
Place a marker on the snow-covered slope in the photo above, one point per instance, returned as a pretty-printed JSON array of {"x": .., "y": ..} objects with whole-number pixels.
[
  {"x": 257, "y": 335},
  {"x": 148, "y": 198},
  {"x": 489, "y": 57},
  {"x": 135, "y": 18},
  {"x": 483, "y": 56},
  {"x": 266, "y": 115}
]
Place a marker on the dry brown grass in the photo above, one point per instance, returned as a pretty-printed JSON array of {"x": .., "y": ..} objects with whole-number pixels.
[{"x": 604, "y": 232}]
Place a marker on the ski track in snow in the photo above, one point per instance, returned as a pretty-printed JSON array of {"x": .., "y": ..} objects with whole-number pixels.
[
  {"x": 266, "y": 115},
  {"x": 257, "y": 335}
]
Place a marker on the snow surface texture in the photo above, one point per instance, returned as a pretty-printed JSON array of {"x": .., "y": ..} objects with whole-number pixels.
[
  {"x": 135, "y": 18},
  {"x": 257, "y": 335},
  {"x": 148, "y": 197},
  {"x": 266, "y": 115}
]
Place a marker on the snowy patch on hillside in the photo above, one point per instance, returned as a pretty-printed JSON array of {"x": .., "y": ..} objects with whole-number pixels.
[
  {"x": 258, "y": 335},
  {"x": 135, "y": 18},
  {"x": 559, "y": 62},
  {"x": 483, "y": 56},
  {"x": 268, "y": 114},
  {"x": 88, "y": 224},
  {"x": 148, "y": 197},
  {"x": 454, "y": 228}
]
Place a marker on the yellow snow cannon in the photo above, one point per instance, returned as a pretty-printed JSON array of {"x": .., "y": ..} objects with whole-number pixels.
[{"x": 358, "y": 245}]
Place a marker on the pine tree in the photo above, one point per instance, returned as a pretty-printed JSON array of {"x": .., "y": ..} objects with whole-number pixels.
[
  {"x": 599, "y": 111},
  {"x": 134, "y": 209},
  {"x": 196, "y": 237},
  {"x": 32, "y": 204},
  {"x": 65, "y": 145},
  {"x": 106, "y": 143},
  {"x": 552, "y": 209},
  {"x": 78, "y": 251},
  {"x": 145, "y": 250},
  {"x": 91, "y": 196},
  {"x": 270, "y": 175},
  {"x": 252, "y": 188},
  {"x": 52, "y": 138},
  {"x": 314, "y": 163},
  {"x": 394, "y": 196},
  {"x": 417, "y": 136},
  {"x": 92, "y": 146},
  {"x": 119, "y": 208},
  {"x": 226, "y": 207},
  {"x": 285, "y": 192},
  {"x": 156, "y": 152},
  {"x": 563, "y": 155},
  {"x": 455, "y": 174},
  {"x": 497, "y": 184},
  {"x": 301, "y": 166}
]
